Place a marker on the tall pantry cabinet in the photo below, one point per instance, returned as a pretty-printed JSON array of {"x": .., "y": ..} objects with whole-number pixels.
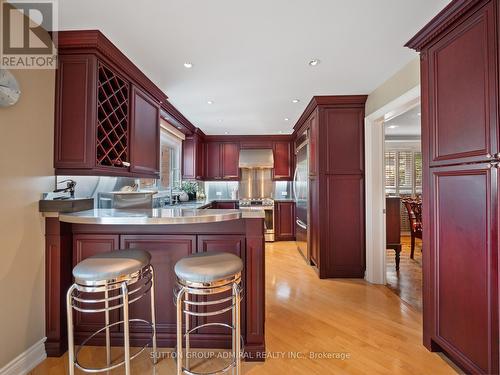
[{"x": 461, "y": 155}]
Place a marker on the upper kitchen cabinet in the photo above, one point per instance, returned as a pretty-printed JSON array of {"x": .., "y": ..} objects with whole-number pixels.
[
  {"x": 107, "y": 111},
  {"x": 193, "y": 158},
  {"x": 221, "y": 161},
  {"x": 461, "y": 100},
  {"x": 283, "y": 157}
]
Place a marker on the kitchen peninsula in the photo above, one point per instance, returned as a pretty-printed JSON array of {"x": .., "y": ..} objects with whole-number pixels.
[{"x": 168, "y": 234}]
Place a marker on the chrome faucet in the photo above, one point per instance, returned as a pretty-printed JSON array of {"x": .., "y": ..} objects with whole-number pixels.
[{"x": 70, "y": 188}]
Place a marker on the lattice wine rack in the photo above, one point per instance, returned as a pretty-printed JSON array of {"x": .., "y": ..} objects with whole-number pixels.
[{"x": 112, "y": 119}]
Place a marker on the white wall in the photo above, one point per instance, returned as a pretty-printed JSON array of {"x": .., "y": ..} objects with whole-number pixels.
[
  {"x": 400, "y": 83},
  {"x": 26, "y": 143}
]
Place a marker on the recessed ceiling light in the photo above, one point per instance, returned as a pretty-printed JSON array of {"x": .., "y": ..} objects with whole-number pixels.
[
  {"x": 220, "y": 120},
  {"x": 287, "y": 119},
  {"x": 188, "y": 65},
  {"x": 314, "y": 62},
  {"x": 210, "y": 102},
  {"x": 393, "y": 126},
  {"x": 295, "y": 100},
  {"x": 226, "y": 133}
]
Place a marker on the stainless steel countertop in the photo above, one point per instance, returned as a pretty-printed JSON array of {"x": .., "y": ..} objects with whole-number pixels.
[{"x": 156, "y": 216}]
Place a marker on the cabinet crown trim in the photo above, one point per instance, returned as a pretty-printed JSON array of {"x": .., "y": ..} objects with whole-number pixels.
[
  {"x": 81, "y": 41},
  {"x": 441, "y": 22}
]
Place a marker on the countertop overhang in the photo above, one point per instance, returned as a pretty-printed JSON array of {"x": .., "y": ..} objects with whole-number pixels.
[{"x": 157, "y": 216}]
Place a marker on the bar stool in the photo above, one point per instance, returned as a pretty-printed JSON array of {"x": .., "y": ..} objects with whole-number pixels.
[
  {"x": 207, "y": 274},
  {"x": 127, "y": 271}
]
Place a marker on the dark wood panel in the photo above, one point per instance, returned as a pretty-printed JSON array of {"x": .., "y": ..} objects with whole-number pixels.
[
  {"x": 233, "y": 244},
  {"x": 75, "y": 114},
  {"x": 58, "y": 261},
  {"x": 463, "y": 91},
  {"x": 284, "y": 214},
  {"x": 344, "y": 134},
  {"x": 145, "y": 134},
  {"x": 212, "y": 161},
  {"x": 230, "y": 154},
  {"x": 84, "y": 246},
  {"x": 165, "y": 251},
  {"x": 343, "y": 228},
  {"x": 464, "y": 247},
  {"x": 283, "y": 165},
  {"x": 313, "y": 126}
]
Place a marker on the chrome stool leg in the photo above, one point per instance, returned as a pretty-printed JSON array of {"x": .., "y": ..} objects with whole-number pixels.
[
  {"x": 179, "y": 355},
  {"x": 237, "y": 328},
  {"x": 126, "y": 328},
  {"x": 106, "y": 317},
  {"x": 69, "y": 318},
  {"x": 186, "y": 324},
  {"x": 153, "y": 315}
]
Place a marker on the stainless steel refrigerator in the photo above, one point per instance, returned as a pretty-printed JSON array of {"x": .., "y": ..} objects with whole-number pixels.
[{"x": 301, "y": 195}]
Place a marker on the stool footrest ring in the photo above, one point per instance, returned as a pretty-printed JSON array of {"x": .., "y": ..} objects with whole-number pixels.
[{"x": 116, "y": 365}]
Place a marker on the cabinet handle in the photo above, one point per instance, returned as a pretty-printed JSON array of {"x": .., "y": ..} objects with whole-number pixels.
[{"x": 125, "y": 163}]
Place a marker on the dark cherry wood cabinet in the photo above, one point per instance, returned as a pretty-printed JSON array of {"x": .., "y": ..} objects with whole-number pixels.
[
  {"x": 225, "y": 205},
  {"x": 284, "y": 220},
  {"x": 165, "y": 251},
  {"x": 144, "y": 134},
  {"x": 222, "y": 161},
  {"x": 335, "y": 128},
  {"x": 106, "y": 110},
  {"x": 216, "y": 157},
  {"x": 234, "y": 244},
  {"x": 460, "y": 151},
  {"x": 68, "y": 244},
  {"x": 464, "y": 247},
  {"x": 283, "y": 161},
  {"x": 212, "y": 161},
  {"x": 193, "y": 158},
  {"x": 85, "y": 246},
  {"x": 230, "y": 155}
]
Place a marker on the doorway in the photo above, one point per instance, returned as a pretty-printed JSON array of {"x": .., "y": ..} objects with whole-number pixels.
[
  {"x": 403, "y": 205},
  {"x": 376, "y": 266}
]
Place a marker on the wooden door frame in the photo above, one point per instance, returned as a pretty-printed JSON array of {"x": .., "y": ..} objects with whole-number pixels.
[{"x": 375, "y": 187}]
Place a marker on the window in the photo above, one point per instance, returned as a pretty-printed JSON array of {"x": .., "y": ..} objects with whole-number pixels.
[
  {"x": 403, "y": 172},
  {"x": 403, "y": 177},
  {"x": 170, "y": 161}
]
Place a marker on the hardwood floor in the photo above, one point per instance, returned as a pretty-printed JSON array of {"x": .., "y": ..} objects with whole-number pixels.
[
  {"x": 407, "y": 283},
  {"x": 366, "y": 328}
]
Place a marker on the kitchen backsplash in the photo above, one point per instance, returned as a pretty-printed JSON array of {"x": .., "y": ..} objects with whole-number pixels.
[
  {"x": 91, "y": 186},
  {"x": 223, "y": 189}
]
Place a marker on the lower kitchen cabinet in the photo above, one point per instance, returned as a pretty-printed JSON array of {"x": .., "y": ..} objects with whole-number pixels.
[
  {"x": 87, "y": 245},
  {"x": 234, "y": 244},
  {"x": 165, "y": 251},
  {"x": 284, "y": 221},
  {"x": 225, "y": 205}
]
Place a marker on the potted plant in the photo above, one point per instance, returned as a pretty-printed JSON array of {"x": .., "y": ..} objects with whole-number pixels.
[{"x": 190, "y": 188}]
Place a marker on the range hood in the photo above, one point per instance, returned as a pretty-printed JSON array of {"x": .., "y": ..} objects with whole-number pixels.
[{"x": 259, "y": 158}]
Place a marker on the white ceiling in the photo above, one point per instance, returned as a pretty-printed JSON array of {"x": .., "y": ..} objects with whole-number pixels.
[
  {"x": 251, "y": 57},
  {"x": 406, "y": 124}
]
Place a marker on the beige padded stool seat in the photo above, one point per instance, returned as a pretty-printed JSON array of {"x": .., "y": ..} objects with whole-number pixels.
[
  {"x": 208, "y": 267},
  {"x": 111, "y": 265}
]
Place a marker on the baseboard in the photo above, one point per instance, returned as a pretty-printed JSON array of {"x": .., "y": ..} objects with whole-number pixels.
[{"x": 26, "y": 361}]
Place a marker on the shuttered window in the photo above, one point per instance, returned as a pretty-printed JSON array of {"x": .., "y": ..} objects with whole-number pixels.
[{"x": 403, "y": 177}]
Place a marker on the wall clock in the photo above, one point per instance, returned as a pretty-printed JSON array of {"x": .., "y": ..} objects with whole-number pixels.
[{"x": 9, "y": 89}]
